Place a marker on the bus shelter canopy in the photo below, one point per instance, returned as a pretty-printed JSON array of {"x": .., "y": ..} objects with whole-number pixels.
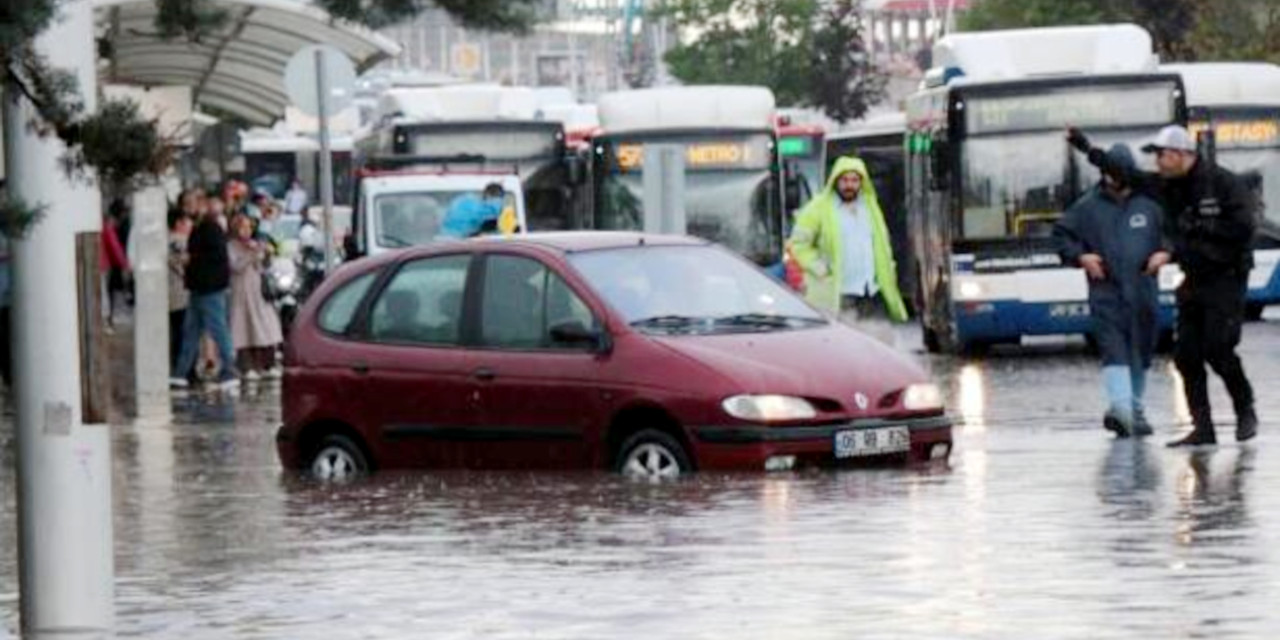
[{"x": 236, "y": 70}]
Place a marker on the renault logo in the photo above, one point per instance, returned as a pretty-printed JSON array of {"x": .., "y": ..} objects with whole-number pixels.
[{"x": 860, "y": 399}]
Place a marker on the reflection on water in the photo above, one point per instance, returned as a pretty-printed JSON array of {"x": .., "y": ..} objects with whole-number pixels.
[{"x": 1043, "y": 526}]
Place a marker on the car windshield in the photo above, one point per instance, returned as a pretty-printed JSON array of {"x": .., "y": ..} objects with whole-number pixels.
[
  {"x": 409, "y": 219},
  {"x": 691, "y": 289}
]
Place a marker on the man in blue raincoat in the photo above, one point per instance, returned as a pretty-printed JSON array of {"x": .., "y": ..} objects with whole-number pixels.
[
  {"x": 1114, "y": 234},
  {"x": 468, "y": 214}
]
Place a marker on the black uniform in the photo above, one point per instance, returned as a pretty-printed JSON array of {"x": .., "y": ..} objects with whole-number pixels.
[{"x": 1209, "y": 219}]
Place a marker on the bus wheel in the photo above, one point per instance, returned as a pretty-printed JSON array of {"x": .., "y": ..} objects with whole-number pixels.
[
  {"x": 1253, "y": 311},
  {"x": 975, "y": 348}
]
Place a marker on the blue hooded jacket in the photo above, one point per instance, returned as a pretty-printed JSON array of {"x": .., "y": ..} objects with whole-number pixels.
[{"x": 1125, "y": 233}]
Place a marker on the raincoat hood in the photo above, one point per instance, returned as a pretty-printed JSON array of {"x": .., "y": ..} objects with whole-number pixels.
[
  {"x": 846, "y": 164},
  {"x": 1121, "y": 157}
]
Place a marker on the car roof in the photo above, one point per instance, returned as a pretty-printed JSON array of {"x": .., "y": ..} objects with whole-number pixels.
[{"x": 557, "y": 241}]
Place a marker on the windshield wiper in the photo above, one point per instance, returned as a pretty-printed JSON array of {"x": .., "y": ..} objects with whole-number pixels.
[
  {"x": 670, "y": 321},
  {"x": 765, "y": 320}
]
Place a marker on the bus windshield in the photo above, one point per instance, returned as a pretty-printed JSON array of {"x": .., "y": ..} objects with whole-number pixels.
[
  {"x": 1260, "y": 169},
  {"x": 1017, "y": 186},
  {"x": 730, "y": 194}
]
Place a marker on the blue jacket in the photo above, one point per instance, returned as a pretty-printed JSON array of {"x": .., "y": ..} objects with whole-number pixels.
[
  {"x": 467, "y": 214},
  {"x": 1125, "y": 304}
]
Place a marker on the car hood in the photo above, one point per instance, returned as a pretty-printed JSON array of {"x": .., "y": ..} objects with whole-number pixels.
[{"x": 833, "y": 362}]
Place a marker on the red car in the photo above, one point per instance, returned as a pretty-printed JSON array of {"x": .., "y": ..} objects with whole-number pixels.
[{"x": 649, "y": 355}]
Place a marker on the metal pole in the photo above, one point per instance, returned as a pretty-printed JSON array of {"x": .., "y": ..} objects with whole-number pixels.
[
  {"x": 326, "y": 161},
  {"x": 64, "y": 461}
]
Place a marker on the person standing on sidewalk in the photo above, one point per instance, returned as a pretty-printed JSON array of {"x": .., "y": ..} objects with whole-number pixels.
[
  {"x": 255, "y": 325},
  {"x": 1115, "y": 235},
  {"x": 179, "y": 230},
  {"x": 1210, "y": 220},
  {"x": 841, "y": 242},
  {"x": 207, "y": 277}
]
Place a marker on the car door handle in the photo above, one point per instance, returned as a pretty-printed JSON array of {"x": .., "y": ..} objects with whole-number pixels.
[
  {"x": 361, "y": 368},
  {"x": 484, "y": 374}
]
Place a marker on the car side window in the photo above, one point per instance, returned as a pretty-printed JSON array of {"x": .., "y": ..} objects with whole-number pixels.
[
  {"x": 523, "y": 300},
  {"x": 423, "y": 303},
  {"x": 341, "y": 307},
  {"x": 512, "y": 307}
]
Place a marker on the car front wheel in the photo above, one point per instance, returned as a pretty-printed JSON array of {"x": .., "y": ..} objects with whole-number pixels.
[
  {"x": 338, "y": 458},
  {"x": 653, "y": 455}
]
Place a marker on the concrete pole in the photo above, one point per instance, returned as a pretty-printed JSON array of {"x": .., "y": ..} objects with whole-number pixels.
[
  {"x": 151, "y": 307},
  {"x": 326, "y": 159},
  {"x": 64, "y": 464}
]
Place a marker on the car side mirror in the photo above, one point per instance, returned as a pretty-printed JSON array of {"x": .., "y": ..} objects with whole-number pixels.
[
  {"x": 349, "y": 249},
  {"x": 573, "y": 333},
  {"x": 791, "y": 193}
]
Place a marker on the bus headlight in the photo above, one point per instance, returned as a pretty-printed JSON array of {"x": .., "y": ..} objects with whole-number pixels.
[
  {"x": 970, "y": 290},
  {"x": 922, "y": 397}
]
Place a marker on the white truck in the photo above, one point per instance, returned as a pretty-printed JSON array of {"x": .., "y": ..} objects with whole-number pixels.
[{"x": 431, "y": 148}]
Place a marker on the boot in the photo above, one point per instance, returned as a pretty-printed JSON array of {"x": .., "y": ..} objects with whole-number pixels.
[
  {"x": 1201, "y": 435},
  {"x": 1141, "y": 428},
  {"x": 1111, "y": 422},
  {"x": 1246, "y": 424}
]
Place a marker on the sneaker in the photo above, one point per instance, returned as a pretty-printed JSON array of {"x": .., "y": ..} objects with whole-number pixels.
[
  {"x": 274, "y": 373},
  {"x": 1141, "y": 428},
  {"x": 229, "y": 383},
  {"x": 178, "y": 383},
  {"x": 252, "y": 376},
  {"x": 1246, "y": 425},
  {"x": 1113, "y": 424}
]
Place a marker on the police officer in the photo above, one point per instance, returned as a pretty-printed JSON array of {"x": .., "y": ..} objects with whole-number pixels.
[
  {"x": 1210, "y": 221},
  {"x": 1114, "y": 234}
]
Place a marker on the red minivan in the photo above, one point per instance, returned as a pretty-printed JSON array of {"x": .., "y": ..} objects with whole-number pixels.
[{"x": 649, "y": 355}]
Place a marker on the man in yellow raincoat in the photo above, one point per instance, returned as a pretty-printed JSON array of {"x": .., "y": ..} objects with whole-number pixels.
[{"x": 841, "y": 241}]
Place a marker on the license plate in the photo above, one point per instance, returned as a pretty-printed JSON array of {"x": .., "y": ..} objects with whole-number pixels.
[{"x": 872, "y": 442}]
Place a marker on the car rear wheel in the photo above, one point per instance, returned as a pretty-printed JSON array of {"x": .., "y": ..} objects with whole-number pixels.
[
  {"x": 338, "y": 458},
  {"x": 653, "y": 455}
]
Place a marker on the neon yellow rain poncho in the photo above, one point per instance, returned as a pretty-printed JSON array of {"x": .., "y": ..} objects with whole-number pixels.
[{"x": 815, "y": 243}]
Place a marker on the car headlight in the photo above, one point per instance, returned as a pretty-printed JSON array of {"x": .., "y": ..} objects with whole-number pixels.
[
  {"x": 970, "y": 290},
  {"x": 284, "y": 282},
  {"x": 922, "y": 397},
  {"x": 769, "y": 408}
]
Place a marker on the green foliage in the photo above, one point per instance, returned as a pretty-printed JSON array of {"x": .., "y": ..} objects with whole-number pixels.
[
  {"x": 17, "y": 216},
  {"x": 122, "y": 145},
  {"x": 497, "y": 15},
  {"x": 190, "y": 19},
  {"x": 1181, "y": 30},
  {"x": 779, "y": 44}
]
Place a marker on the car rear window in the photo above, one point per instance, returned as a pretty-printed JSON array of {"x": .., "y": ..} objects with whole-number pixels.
[{"x": 340, "y": 308}]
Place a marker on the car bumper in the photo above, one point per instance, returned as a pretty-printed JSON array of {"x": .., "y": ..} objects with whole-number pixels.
[{"x": 760, "y": 447}]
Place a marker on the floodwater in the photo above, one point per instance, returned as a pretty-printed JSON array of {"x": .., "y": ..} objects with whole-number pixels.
[{"x": 1041, "y": 526}]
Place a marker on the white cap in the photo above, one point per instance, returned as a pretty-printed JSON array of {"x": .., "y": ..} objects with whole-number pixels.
[{"x": 1171, "y": 137}]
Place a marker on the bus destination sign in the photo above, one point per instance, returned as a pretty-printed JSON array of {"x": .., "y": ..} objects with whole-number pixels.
[
  {"x": 1261, "y": 132},
  {"x": 703, "y": 155},
  {"x": 1086, "y": 107}
]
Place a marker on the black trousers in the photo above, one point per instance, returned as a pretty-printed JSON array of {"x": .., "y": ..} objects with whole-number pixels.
[{"x": 1210, "y": 315}]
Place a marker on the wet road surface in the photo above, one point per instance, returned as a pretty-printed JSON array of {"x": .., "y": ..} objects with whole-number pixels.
[{"x": 1041, "y": 526}]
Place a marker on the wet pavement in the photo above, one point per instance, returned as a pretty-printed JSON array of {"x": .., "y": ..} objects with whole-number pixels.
[{"x": 1041, "y": 526}]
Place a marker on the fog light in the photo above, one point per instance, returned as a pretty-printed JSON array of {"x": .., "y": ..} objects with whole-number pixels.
[
  {"x": 939, "y": 451},
  {"x": 780, "y": 463}
]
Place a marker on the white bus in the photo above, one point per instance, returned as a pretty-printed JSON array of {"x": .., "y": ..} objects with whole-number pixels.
[
  {"x": 989, "y": 172},
  {"x": 1241, "y": 103},
  {"x": 733, "y": 186}
]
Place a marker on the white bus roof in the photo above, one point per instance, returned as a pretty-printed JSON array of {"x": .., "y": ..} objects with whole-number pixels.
[
  {"x": 287, "y": 144},
  {"x": 879, "y": 124},
  {"x": 458, "y": 103},
  {"x": 1229, "y": 83},
  {"x": 685, "y": 108},
  {"x": 574, "y": 116},
  {"x": 1045, "y": 52}
]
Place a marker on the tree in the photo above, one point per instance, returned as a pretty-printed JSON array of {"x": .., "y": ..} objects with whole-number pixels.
[
  {"x": 116, "y": 142},
  {"x": 806, "y": 60},
  {"x": 1181, "y": 30}
]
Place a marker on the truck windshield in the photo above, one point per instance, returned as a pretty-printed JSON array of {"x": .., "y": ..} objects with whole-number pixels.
[{"x": 413, "y": 218}]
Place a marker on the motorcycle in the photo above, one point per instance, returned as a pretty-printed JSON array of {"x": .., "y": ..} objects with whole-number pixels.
[{"x": 292, "y": 281}]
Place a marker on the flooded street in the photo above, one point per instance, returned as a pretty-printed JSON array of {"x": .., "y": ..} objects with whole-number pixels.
[{"x": 1041, "y": 526}]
